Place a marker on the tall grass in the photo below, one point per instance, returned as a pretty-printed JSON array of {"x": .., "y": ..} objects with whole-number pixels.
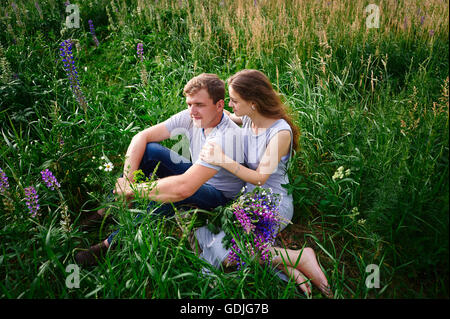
[{"x": 374, "y": 101}]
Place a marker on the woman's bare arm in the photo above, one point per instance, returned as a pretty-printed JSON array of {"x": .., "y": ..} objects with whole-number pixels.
[{"x": 277, "y": 148}]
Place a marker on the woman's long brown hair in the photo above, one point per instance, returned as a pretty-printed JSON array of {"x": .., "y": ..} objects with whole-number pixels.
[{"x": 254, "y": 86}]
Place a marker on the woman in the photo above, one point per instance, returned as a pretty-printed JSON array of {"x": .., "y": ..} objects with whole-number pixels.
[{"x": 269, "y": 136}]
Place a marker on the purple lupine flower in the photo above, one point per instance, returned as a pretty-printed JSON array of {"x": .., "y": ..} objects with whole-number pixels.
[
  {"x": 38, "y": 8},
  {"x": 71, "y": 71},
  {"x": 91, "y": 28},
  {"x": 32, "y": 200},
  {"x": 140, "y": 51},
  {"x": 244, "y": 220},
  {"x": 49, "y": 179},
  {"x": 233, "y": 256},
  {"x": 4, "y": 185},
  {"x": 431, "y": 32},
  {"x": 258, "y": 215},
  {"x": 422, "y": 19},
  {"x": 17, "y": 12}
]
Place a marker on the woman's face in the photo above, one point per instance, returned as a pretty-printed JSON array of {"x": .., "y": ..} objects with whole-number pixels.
[{"x": 239, "y": 105}]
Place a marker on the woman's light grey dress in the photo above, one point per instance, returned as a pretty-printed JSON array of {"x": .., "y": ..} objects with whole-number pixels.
[{"x": 211, "y": 245}]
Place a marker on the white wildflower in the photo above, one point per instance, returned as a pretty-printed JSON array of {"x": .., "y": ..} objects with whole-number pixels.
[
  {"x": 65, "y": 221},
  {"x": 354, "y": 212},
  {"x": 339, "y": 173},
  {"x": 108, "y": 167}
]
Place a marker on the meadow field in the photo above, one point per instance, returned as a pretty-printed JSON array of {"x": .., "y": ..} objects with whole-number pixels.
[{"x": 367, "y": 82}]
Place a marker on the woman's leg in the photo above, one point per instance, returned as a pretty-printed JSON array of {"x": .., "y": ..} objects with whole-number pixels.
[
  {"x": 305, "y": 261},
  {"x": 298, "y": 277},
  {"x": 288, "y": 269}
]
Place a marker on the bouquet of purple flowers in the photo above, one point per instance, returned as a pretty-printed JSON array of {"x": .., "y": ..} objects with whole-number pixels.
[{"x": 251, "y": 223}]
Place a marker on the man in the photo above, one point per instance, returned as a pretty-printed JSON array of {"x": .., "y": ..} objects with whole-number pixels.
[{"x": 180, "y": 182}]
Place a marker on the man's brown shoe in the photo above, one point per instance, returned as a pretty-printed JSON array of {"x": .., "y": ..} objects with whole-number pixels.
[
  {"x": 91, "y": 256},
  {"x": 93, "y": 219}
]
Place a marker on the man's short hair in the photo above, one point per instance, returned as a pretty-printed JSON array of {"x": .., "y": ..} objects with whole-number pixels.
[{"x": 211, "y": 82}]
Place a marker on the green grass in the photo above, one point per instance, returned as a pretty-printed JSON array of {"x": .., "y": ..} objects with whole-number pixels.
[{"x": 374, "y": 102}]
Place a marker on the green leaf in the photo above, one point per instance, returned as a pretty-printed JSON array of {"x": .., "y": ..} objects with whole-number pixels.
[{"x": 213, "y": 228}]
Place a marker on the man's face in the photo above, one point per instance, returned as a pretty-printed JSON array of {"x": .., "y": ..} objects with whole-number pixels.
[{"x": 202, "y": 109}]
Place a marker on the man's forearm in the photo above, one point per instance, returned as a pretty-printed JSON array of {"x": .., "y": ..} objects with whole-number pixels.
[
  {"x": 134, "y": 156},
  {"x": 137, "y": 147},
  {"x": 170, "y": 189}
]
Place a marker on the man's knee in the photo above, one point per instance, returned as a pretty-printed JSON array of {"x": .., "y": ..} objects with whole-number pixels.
[
  {"x": 155, "y": 152},
  {"x": 153, "y": 149}
]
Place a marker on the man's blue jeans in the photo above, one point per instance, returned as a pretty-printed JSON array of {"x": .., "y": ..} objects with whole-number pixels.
[{"x": 206, "y": 197}]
